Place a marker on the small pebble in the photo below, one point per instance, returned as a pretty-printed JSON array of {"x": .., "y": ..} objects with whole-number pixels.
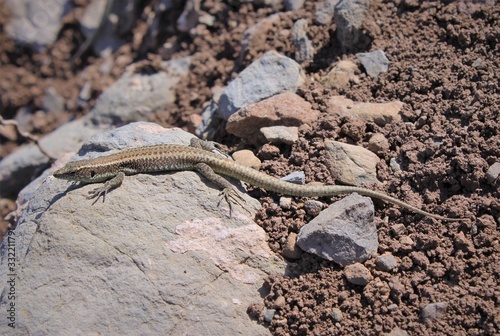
[
  {"x": 493, "y": 173},
  {"x": 392, "y": 307},
  {"x": 313, "y": 207},
  {"x": 394, "y": 164},
  {"x": 280, "y": 134},
  {"x": 269, "y": 314},
  {"x": 291, "y": 249},
  {"x": 374, "y": 62},
  {"x": 285, "y": 202},
  {"x": 279, "y": 303},
  {"x": 378, "y": 143},
  {"x": 434, "y": 311},
  {"x": 386, "y": 262},
  {"x": 337, "y": 315},
  {"x": 246, "y": 158},
  {"x": 298, "y": 177},
  {"x": 358, "y": 274},
  {"x": 398, "y": 229},
  {"x": 406, "y": 243}
]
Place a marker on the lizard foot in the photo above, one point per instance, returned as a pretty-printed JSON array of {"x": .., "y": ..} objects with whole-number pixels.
[
  {"x": 115, "y": 182},
  {"x": 98, "y": 192},
  {"x": 231, "y": 195}
]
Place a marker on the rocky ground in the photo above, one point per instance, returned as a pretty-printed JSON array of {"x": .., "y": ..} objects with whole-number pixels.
[{"x": 444, "y": 65}]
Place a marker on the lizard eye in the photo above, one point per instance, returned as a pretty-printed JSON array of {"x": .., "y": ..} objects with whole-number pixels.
[{"x": 92, "y": 173}]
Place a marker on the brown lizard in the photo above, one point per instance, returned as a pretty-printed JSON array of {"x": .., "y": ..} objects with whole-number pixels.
[{"x": 112, "y": 169}]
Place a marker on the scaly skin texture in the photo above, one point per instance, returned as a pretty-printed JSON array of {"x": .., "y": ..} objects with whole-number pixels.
[{"x": 151, "y": 159}]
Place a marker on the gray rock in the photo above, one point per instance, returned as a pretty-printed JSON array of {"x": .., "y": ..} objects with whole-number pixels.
[
  {"x": 265, "y": 77},
  {"x": 374, "y": 62},
  {"x": 349, "y": 16},
  {"x": 135, "y": 96},
  {"x": 209, "y": 122},
  {"x": 298, "y": 177},
  {"x": 269, "y": 314},
  {"x": 52, "y": 101},
  {"x": 493, "y": 173},
  {"x": 207, "y": 19},
  {"x": 159, "y": 256},
  {"x": 313, "y": 207},
  {"x": 36, "y": 23},
  {"x": 358, "y": 274},
  {"x": 99, "y": 31},
  {"x": 92, "y": 16},
  {"x": 392, "y": 307},
  {"x": 324, "y": 12},
  {"x": 337, "y": 315},
  {"x": 386, "y": 262},
  {"x": 280, "y": 134},
  {"x": 354, "y": 165},
  {"x": 291, "y": 5},
  {"x": 117, "y": 21},
  {"x": 85, "y": 95},
  {"x": 303, "y": 46},
  {"x": 344, "y": 232},
  {"x": 394, "y": 164},
  {"x": 189, "y": 16},
  {"x": 434, "y": 311}
]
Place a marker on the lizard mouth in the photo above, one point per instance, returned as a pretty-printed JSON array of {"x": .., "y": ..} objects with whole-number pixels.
[{"x": 61, "y": 174}]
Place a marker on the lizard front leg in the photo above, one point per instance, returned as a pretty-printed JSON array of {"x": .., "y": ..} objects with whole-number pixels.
[
  {"x": 209, "y": 146},
  {"x": 115, "y": 182}
]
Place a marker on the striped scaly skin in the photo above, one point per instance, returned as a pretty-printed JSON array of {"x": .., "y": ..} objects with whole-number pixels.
[{"x": 160, "y": 158}]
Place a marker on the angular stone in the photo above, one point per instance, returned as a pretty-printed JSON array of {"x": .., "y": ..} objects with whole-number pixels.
[
  {"x": 386, "y": 262},
  {"x": 352, "y": 165},
  {"x": 374, "y": 62},
  {"x": 344, "y": 232}
]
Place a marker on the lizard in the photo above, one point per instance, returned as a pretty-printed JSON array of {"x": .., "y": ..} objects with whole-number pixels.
[{"x": 112, "y": 169}]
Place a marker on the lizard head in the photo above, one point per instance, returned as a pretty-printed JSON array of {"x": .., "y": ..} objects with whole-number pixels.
[{"x": 82, "y": 171}]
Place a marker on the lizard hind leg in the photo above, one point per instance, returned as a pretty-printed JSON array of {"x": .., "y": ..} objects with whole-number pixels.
[{"x": 228, "y": 193}]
